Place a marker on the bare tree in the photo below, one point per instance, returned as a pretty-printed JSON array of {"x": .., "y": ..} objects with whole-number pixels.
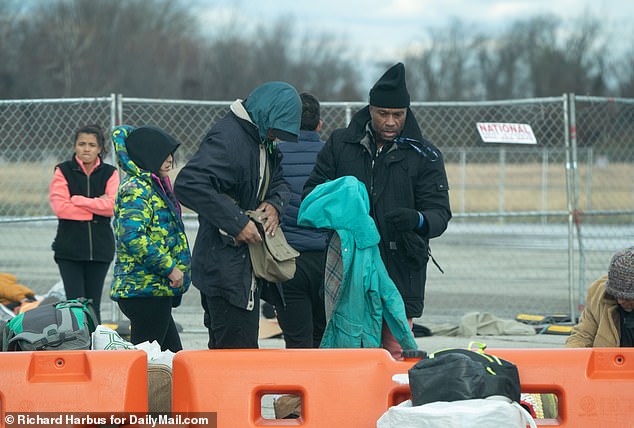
[
  {"x": 93, "y": 47},
  {"x": 11, "y": 18},
  {"x": 447, "y": 70},
  {"x": 626, "y": 75},
  {"x": 321, "y": 68},
  {"x": 237, "y": 61},
  {"x": 153, "y": 48},
  {"x": 534, "y": 57},
  {"x": 573, "y": 62},
  {"x": 501, "y": 67}
]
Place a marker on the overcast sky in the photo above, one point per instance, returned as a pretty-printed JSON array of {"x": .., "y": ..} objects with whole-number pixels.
[{"x": 383, "y": 30}]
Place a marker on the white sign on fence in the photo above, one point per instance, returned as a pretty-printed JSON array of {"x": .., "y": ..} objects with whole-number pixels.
[{"x": 515, "y": 133}]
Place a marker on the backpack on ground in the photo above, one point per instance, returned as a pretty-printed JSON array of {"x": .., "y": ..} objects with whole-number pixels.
[
  {"x": 51, "y": 326},
  {"x": 462, "y": 374}
]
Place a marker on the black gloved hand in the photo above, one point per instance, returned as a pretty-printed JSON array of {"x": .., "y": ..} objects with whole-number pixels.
[{"x": 403, "y": 219}]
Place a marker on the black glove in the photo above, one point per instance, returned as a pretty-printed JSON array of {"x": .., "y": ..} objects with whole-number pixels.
[
  {"x": 412, "y": 249},
  {"x": 403, "y": 219}
]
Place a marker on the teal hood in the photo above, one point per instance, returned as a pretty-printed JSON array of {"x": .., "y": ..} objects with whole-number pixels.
[
  {"x": 341, "y": 205},
  {"x": 274, "y": 105}
]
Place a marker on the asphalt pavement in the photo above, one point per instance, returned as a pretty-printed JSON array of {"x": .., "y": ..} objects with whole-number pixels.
[
  {"x": 503, "y": 269},
  {"x": 194, "y": 336}
]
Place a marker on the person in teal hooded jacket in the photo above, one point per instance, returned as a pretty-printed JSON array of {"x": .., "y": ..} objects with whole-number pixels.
[
  {"x": 152, "y": 265},
  {"x": 359, "y": 293},
  {"x": 237, "y": 168}
]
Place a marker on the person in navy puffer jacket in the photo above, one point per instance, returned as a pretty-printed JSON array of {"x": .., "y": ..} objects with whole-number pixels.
[{"x": 302, "y": 317}]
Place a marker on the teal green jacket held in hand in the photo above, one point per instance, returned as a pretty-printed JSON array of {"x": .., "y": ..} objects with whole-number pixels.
[
  {"x": 367, "y": 294},
  {"x": 150, "y": 235}
]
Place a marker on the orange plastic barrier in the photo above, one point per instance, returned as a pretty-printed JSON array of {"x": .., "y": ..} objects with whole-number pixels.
[
  {"x": 352, "y": 388},
  {"x": 73, "y": 381},
  {"x": 339, "y": 388},
  {"x": 594, "y": 387}
]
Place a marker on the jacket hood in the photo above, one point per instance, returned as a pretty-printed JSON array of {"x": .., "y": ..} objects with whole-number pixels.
[
  {"x": 341, "y": 204},
  {"x": 142, "y": 149},
  {"x": 275, "y": 105}
]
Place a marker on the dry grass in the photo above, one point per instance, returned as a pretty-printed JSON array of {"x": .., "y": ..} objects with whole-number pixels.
[
  {"x": 24, "y": 188},
  {"x": 24, "y": 182},
  {"x": 527, "y": 188}
]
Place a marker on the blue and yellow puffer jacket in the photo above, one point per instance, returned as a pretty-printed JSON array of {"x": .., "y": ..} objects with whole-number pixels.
[{"x": 150, "y": 235}]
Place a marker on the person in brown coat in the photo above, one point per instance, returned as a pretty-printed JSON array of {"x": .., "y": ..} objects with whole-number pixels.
[{"x": 608, "y": 317}]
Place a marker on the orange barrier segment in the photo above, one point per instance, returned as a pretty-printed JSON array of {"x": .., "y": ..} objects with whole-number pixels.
[
  {"x": 353, "y": 388},
  {"x": 74, "y": 381},
  {"x": 595, "y": 387},
  {"x": 339, "y": 387}
]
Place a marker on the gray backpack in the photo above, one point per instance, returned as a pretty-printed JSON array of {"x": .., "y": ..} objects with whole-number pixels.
[{"x": 51, "y": 326}]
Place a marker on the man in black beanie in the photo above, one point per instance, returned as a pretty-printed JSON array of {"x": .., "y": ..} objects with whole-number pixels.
[{"x": 406, "y": 181}]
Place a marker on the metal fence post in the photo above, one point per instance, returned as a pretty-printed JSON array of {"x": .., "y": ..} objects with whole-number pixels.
[
  {"x": 544, "y": 182},
  {"x": 589, "y": 166},
  {"x": 570, "y": 197},
  {"x": 115, "y": 120},
  {"x": 502, "y": 183},
  {"x": 575, "y": 204},
  {"x": 463, "y": 178}
]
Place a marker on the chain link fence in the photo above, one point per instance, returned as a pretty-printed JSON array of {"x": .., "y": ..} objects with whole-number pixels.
[{"x": 533, "y": 224}]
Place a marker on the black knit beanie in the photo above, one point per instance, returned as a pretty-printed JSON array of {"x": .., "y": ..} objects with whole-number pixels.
[
  {"x": 620, "y": 282},
  {"x": 390, "y": 90},
  {"x": 148, "y": 147}
]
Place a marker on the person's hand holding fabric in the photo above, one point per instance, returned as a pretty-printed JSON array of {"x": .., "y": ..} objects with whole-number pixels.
[{"x": 271, "y": 216}]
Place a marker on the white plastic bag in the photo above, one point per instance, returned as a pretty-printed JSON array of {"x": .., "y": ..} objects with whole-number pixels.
[
  {"x": 105, "y": 338},
  {"x": 57, "y": 291},
  {"x": 154, "y": 353},
  {"x": 492, "y": 412}
]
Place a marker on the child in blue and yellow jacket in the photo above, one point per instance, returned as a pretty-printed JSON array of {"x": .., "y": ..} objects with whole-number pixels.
[{"x": 152, "y": 266}]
